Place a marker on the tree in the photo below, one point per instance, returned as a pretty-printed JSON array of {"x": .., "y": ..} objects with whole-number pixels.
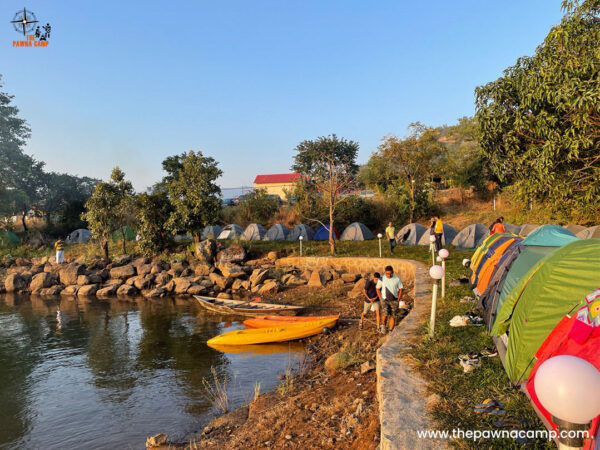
[
  {"x": 124, "y": 210},
  {"x": 153, "y": 211},
  {"x": 413, "y": 160},
  {"x": 108, "y": 209},
  {"x": 194, "y": 194},
  {"x": 539, "y": 123},
  {"x": 330, "y": 166},
  {"x": 21, "y": 176},
  {"x": 258, "y": 207}
]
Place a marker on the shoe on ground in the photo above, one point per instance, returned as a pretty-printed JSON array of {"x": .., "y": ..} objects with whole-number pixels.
[{"x": 489, "y": 352}]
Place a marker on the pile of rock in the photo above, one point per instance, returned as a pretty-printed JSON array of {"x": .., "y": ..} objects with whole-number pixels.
[{"x": 216, "y": 274}]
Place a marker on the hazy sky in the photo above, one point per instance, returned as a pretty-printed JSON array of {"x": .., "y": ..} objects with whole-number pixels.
[{"x": 129, "y": 83}]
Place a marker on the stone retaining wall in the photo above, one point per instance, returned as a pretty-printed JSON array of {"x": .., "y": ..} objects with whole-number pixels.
[{"x": 405, "y": 269}]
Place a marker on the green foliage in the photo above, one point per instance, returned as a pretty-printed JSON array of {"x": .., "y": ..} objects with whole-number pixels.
[
  {"x": 307, "y": 201},
  {"x": 539, "y": 122},
  {"x": 153, "y": 211},
  {"x": 329, "y": 163},
  {"x": 109, "y": 208},
  {"x": 257, "y": 207},
  {"x": 194, "y": 194}
]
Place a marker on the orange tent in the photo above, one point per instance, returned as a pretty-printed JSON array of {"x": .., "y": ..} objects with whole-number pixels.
[{"x": 488, "y": 268}]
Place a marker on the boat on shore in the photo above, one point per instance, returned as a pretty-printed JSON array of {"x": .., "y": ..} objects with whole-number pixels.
[
  {"x": 273, "y": 334},
  {"x": 249, "y": 308},
  {"x": 281, "y": 321}
]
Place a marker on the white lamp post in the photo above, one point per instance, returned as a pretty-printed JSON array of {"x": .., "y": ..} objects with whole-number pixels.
[
  {"x": 435, "y": 272},
  {"x": 379, "y": 236},
  {"x": 300, "y": 239},
  {"x": 443, "y": 254},
  {"x": 432, "y": 248},
  {"x": 569, "y": 388}
]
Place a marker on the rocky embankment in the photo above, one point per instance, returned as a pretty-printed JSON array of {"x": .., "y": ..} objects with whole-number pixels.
[{"x": 214, "y": 272}]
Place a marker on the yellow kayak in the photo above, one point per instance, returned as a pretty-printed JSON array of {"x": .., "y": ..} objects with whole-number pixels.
[{"x": 273, "y": 334}]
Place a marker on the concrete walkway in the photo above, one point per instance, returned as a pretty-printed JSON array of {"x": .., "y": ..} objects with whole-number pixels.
[{"x": 400, "y": 390}]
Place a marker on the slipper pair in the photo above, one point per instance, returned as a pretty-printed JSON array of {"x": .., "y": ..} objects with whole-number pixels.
[{"x": 490, "y": 407}]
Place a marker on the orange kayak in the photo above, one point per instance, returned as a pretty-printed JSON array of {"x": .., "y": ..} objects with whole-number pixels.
[{"x": 280, "y": 321}]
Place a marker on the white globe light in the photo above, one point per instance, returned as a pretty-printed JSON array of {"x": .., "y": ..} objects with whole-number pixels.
[
  {"x": 432, "y": 238},
  {"x": 438, "y": 258},
  {"x": 300, "y": 237},
  {"x": 436, "y": 272},
  {"x": 444, "y": 253},
  {"x": 466, "y": 262},
  {"x": 379, "y": 235},
  {"x": 568, "y": 387}
]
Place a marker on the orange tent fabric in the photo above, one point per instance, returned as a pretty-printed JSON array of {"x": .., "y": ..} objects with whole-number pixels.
[{"x": 486, "y": 272}]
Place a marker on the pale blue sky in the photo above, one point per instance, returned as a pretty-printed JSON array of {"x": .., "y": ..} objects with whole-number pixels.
[{"x": 130, "y": 83}]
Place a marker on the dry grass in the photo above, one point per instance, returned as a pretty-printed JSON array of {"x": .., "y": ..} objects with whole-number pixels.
[{"x": 216, "y": 391}]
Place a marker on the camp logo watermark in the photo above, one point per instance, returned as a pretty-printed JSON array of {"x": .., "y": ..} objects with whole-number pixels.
[{"x": 36, "y": 35}]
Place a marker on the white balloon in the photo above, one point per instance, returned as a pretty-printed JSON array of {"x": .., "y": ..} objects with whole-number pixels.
[
  {"x": 436, "y": 272},
  {"x": 465, "y": 262},
  {"x": 569, "y": 388},
  {"x": 431, "y": 238},
  {"x": 444, "y": 253},
  {"x": 438, "y": 259}
]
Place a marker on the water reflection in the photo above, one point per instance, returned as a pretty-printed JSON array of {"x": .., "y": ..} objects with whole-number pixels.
[{"x": 100, "y": 374}]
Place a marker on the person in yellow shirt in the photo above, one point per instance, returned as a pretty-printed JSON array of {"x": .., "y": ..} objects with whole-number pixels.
[
  {"x": 59, "y": 246},
  {"x": 390, "y": 233},
  {"x": 437, "y": 226}
]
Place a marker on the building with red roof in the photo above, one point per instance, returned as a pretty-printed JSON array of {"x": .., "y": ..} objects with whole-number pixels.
[{"x": 276, "y": 183}]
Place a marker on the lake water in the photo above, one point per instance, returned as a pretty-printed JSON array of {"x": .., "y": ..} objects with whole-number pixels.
[{"x": 107, "y": 374}]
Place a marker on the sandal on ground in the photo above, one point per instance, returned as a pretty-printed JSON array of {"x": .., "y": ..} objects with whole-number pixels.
[
  {"x": 489, "y": 352},
  {"x": 489, "y": 403}
]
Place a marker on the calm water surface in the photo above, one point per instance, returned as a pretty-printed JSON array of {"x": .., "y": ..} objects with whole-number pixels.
[{"x": 107, "y": 374}]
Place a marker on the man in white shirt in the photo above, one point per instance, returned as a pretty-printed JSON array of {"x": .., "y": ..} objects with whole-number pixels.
[{"x": 390, "y": 289}]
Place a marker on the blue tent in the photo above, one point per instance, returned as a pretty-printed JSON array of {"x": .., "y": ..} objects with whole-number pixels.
[
  {"x": 549, "y": 236},
  {"x": 322, "y": 234}
]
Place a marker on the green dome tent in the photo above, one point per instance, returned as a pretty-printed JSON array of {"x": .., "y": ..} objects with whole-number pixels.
[
  {"x": 551, "y": 289},
  {"x": 8, "y": 238},
  {"x": 534, "y": 247},
  {"x": 118, "y": 235}
]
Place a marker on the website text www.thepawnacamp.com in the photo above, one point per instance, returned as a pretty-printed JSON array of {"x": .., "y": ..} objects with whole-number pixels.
[{"x": 475, "y": 435}]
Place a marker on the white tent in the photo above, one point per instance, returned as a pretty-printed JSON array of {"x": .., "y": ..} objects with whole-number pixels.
[
  {"x": 510, "y": 228},
  {"x": 590, "y": 233},
  {"x": 305, "y": 231},
  {"x": 232, "y": 231},
  {"x": 80, "y": 235},
  {"x": 410, "y": 234},
  {"x": 211, "y": 232},
  {"x": 357, "y": 232},
  {"x": 253, "y": 232},
  {"x": 449, "y": 235},
  {"x": 471, "y": 236},
  {"x": 277, "y": 232},
  {"x": 575, "y": 229}
]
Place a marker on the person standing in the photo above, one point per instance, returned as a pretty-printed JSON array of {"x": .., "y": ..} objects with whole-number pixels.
[
  {"x": 390, "y": 290},
  {"x": 371, "y": 300},
  {"x": 498, "y": 226},
  {"x": 390, "y": 233},
  {"x": 438, "y": 231},
  {"x": 59, "y": 246}
]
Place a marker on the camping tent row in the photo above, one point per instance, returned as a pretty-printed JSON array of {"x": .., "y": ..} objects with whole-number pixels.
[
  {"x": 540, "y": 298},
  {"x": 255, "y": 232}
]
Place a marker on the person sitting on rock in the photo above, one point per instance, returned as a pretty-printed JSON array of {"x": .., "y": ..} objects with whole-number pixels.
[
  {"x": 371, "y": 300},
  {"x": 59, "y": 246}
]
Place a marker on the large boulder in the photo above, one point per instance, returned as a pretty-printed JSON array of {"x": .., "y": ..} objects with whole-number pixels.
[
  {"x": 122, "y": 272},
  {"x": 206, "y": 251},
  {"x": 270, "y": 287},
  {"x": 350, "y": 277},
  {"x": 14, "y": 283},
  {"x": 108, "y": 291},
  {"x": 232, "y": 271},
  {"x": 70, "y": 290},
  {"x": 293, "y": 280},
  {"x": 52, "y": 290},
  {"x": 41, "y": 281},
  {"x": 141, "y": 283},
  {"x": 88, "y": 290},
  {"x": 234, "y": 254},
  {"x": 68, "y": 274},
  {"x": 197, "y": 289},
  {"x": 126, "y": 289},
  {"x": 143, "y": 269},
  {"x": 203, "y": 269},
  {"x": 156, "y": 292},
  {"x": 82, "y": 280},
  {"x": 181, "y": 285},
  {"x": 221, "y": 281},
  {"x": 162, "y": 278},
  {"x": 258, "y": 276},
  {"x": 316, "y": 279},
  {"x": 357, "y": 290}
]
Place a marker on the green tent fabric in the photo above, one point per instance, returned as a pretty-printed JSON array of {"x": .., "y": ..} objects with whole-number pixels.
[
  {"x": 118, "y": 235},
  {"x": 8, "y": 238},
  {"x": 527, "y": 259},
  {"x": 549, "y": 236},
  {"x": 553, "y": 287}
]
